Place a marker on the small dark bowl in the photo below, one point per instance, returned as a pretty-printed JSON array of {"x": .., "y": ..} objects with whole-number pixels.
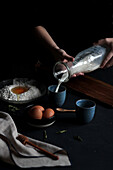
[{"x": 39, "y": 122}]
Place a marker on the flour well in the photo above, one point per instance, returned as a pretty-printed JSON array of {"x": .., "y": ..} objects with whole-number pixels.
[{"x": 32, "y": 92}]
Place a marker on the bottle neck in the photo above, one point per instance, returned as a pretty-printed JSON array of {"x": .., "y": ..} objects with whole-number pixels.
[{"x": 61, "y": 71}]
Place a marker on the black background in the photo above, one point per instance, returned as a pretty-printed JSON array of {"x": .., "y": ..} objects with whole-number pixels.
[{"x": 74, "y": 26}]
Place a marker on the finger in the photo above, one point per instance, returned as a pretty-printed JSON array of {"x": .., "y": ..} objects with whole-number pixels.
[
  {"x": 74, "y": 75},
  {"x": 69, "y": 58},
  {"x": 78, "y": 74},
  {"x": 99, "y": 42},
  {"x": 65, "y": 60},
  {"x": 109, "y": 63},
  {"x": 110, "y": 55}
]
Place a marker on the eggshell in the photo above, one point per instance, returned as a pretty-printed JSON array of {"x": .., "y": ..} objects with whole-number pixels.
[
  {"x": 35, "y": 113},
  {"x": 48, "y": 113},
  {"x": 39, "y": 107}
]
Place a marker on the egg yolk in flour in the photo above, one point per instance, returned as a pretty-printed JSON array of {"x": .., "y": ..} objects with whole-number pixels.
[{"x": 19, "y": 89}]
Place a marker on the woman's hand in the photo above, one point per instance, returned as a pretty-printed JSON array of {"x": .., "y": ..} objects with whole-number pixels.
[
  {"x": 108, "y": 61},
  {"x": 61, "y": 55}
]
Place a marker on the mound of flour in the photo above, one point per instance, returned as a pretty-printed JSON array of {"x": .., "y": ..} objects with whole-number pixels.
[{"x": 32, "y": 93}]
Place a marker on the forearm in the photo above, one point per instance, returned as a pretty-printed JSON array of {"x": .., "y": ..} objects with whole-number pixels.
[{"x": 45, "y": 39}]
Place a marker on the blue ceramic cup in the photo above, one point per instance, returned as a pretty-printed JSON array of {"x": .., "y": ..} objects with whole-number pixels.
[
  {"x": 56, "y": 99},
  {"x": 85, "y": 110}
]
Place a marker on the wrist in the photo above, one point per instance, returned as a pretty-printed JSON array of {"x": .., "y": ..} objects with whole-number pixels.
[{"x": 55, "y": 50}]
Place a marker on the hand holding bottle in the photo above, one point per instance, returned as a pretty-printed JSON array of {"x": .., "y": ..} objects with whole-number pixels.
[
  {"x": 61, "y": 55},
  {"x": 108, "y": 61},
  {"x": 85, "y": 61}
]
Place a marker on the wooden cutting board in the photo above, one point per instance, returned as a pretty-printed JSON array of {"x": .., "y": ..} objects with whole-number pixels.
[{"x": 92, "y": 87}]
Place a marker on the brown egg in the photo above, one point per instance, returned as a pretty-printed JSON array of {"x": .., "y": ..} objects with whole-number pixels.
[
  {"x": 35, "y": 113},
  {"x": 48, "y": 113},
  {"x": 39, "y": 107}
]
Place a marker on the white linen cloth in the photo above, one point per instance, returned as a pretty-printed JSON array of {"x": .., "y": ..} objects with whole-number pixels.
[{"x": 14, "y": 152}]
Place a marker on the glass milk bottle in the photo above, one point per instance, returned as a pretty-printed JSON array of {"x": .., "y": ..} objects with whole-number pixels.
[{"x": 86, "y": 61}]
